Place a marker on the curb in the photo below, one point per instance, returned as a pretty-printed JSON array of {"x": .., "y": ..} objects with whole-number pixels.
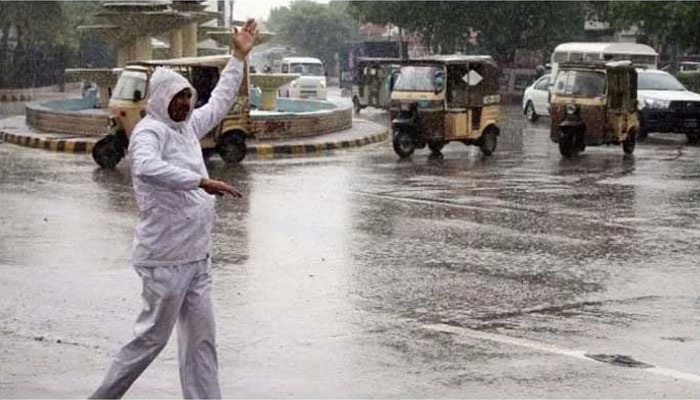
[
  {"x": 81, "y": 146},
  {"x": 59, "y": 145},
  {"x": 13, "y": 98},
  {"x": 268, "y": 150}
]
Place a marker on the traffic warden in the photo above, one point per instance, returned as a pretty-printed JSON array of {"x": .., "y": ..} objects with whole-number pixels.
[{"x": 171, "y": 242}]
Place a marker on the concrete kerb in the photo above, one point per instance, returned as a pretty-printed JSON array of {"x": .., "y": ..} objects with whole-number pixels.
[
  {"x": 271, "y": 150},
  {"x": 84, "y": 145},
  {"x": 72, "y": 145}
]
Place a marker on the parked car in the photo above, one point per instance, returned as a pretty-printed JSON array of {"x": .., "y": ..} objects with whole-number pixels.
[
  {"x": 536, "y": 98},
  {"x": 666, "y": 106}
]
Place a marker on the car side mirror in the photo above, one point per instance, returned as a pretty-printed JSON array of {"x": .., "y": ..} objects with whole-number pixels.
[{"x": 137, "y": 95}]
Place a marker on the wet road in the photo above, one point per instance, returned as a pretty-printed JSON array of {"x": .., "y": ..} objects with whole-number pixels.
[{"x": 356, "y": 275}]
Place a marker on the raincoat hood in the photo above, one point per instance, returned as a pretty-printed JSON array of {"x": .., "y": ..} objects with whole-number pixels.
[{"x": 163, "y": 86}]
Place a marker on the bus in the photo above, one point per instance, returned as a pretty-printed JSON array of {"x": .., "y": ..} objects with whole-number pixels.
[{"x": 639, "y": 54}]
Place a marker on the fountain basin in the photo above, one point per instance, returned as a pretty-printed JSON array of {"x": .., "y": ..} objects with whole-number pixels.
[{"x": 295, "y": 118}]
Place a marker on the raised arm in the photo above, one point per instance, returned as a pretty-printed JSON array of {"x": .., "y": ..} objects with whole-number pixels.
[
  {"x": 226, "y": 90},
  {"x": 221, "y": 100}
]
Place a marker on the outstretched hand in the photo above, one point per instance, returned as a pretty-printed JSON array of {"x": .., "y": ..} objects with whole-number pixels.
[
  {"x": 244, "y": 38},
  {"x": 218, "y": 188}
]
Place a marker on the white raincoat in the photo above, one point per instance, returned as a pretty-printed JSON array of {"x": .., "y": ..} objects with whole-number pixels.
[
  {"x": 175, "y": 217},
  {"x": 171, "y": 242}
]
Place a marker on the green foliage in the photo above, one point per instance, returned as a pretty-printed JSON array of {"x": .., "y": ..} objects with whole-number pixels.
[
  {"x": 691, "y": 80},
  {"x": 315, "y": 30},
  {"x": 44, "y": 41},
  {"x": 660, "y": 21},
  {"x": 501, "y": 26}
]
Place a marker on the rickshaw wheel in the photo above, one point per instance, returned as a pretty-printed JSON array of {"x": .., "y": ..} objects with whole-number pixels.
[
  {"x": 403, "y": 142},
  {"x": 629, "y": 143},
  {"x": 231, "y": 147},
  {"x": 356, "y": 105},
  {"x": 488, "y": 141},
  {"x": 530, "y": 112},
  {"x": 108, "y": 151},
  {"x": 568, "y": 146},
  {"x": 435, "y": 147}
]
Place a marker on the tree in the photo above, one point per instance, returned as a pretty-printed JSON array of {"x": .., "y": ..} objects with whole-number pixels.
[
  {"x": 39, "y": 40},
  {"x": 315, "y": 30},
  {"x": 663, "y": 25},
  {"x": 502, "y": 27}
]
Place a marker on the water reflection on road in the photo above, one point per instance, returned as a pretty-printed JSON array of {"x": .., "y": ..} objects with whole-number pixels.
[{"x": 329, "y": 268}]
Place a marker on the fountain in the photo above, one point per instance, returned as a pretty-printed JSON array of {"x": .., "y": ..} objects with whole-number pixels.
[
  {"x": 270, "y": 118},
  {"x": 269, "y": 84},
  {"x": 105, "y": 78},
  {"x": 283, "y": 118}
]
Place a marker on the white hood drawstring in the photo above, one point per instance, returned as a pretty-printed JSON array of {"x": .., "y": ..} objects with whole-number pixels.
[{"x": 164, "y": 85}]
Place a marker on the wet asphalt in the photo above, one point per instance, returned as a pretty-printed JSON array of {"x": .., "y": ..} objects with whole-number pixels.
[{"x": 357, "y": 275}]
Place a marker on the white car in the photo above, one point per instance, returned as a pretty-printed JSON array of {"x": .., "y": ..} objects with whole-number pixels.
[
  {"x": 665, "y": 105},
  {"x": 312, "y": 83},
  {"x": 536, "y": 98}
]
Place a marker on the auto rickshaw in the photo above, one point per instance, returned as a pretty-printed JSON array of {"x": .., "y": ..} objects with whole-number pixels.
[
  {"x": 439, "y": 99},
  {"x": 373, "y": 82},
  {"x": 594, "y": 103},
  {"x": 127, "y": 105}
]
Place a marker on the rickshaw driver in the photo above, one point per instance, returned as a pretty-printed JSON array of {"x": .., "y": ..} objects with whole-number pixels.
[{"x": 172, "y": 239}]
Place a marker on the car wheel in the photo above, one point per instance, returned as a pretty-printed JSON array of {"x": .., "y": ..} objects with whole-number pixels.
[
  {"x": 530, "y": 112},
  {"x": 435, "y": 147},
  {"x": 488, "y": 141},
  {"x": 108, "y": 151},
  {"x": 404, "y": 144},
  {"x": 231, "y": 146},
  {"x": 567, "y": 145},
  {"x": 629, "y": 143}
]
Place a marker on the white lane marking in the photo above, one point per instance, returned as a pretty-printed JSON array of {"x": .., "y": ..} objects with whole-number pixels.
[
  {"x": 495, "y": 209},
  {"x": 494, "y": 337}
]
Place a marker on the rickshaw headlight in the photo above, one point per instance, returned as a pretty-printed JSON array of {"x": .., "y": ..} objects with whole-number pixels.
[
  {"x": 571, "y": 109},
  {"x": 656, "y": 103},
  {"x": 405, "y": 107},
  {"x": 112, "y": 122}
]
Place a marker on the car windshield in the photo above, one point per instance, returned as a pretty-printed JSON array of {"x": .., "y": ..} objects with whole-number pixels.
[
  {"x": 307, "y": 69},
  {"x": 580, "y": 83},
  {"x": 657, "y": 81},
  {"x": 416, "y": 79},
  {"x": 130, "y": 82}
]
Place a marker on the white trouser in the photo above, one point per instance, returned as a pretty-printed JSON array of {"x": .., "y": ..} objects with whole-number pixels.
[{"x": 179, "y": 293}]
